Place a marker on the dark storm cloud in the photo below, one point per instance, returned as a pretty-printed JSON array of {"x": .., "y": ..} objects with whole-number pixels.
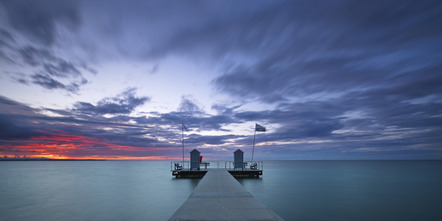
[
  {"x": 15, "y": 121},
  {"x": 299, "y": 120},
  {"x": 26, "y": 130},
  {"x": 6, "y": 42},
  {"x": 372, "y": 70},
  {"x": 192, "y": 116},
  {"x": 50, "y": 83},
  {"x": 193, "y": 122},
  {"x": 10, "y": 106},
  {"x": 355, "y": 123},
  {"x": 6, "y": 39},
  {"x": 195, "y": 139},
  {"x": 30, "y": 131},
  {"x": 283, "y": 49},
  {"x": 276, "y": 27},
  {"x": 37, "y": 19},
  {"x": 343, "y": 76},
  {"x": 60, "y": 68},
  {"x": 187, "y": 105},
  {"x": 51, "y": 72},
  {"x": 20, "y": 121},
  {"x": 5, "y": 36},
  {"x": 34, "y": 56},
  {"x": 49, "y": 63},
  {"x": 314, "y": 123},
  {"x": 227, "y": 28},
  {"x": 346, "y": 46},
  {"x": 39, "y": 22},
  {"x": 124, "y": 103}
]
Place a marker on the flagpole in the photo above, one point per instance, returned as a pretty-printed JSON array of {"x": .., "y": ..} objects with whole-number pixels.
[
  {"x": 182, "y": 138},
  {"x": 253, "y": 150}
]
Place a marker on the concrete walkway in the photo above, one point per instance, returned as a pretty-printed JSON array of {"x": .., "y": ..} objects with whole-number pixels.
[{"x": 219, "y": 196}]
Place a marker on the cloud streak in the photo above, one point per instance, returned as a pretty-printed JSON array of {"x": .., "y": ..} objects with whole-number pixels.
[
  {"x": 339, "y": 80},
  {"x": 30, "y": 38},
  {"x": 301, "y": 127},
  {"x": 38, "y": 19}
]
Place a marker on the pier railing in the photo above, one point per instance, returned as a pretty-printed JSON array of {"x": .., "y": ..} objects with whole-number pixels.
[
  {"x": 246, "y": 165},
  {"x": 229, "y": 165},
  {"x": 180, "y": 165}
]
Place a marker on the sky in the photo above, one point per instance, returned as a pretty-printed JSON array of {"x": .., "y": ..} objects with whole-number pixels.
[{"x": 333, "y": 80}]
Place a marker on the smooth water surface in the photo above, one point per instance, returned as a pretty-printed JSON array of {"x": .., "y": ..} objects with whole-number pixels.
[
  {"x": 351, "y": 190},
  {"x": 90, "y": 190},
  {"x": 146, "y": 190}
]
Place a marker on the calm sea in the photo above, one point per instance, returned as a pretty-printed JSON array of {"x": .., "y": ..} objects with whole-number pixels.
[{"x": 296, "y": 190}]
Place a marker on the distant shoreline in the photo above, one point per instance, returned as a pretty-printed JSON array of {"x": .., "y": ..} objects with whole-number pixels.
[{"x": 36, "y": 159}]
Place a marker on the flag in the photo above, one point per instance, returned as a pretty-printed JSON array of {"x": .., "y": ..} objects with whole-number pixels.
[
  {"x": 185, "y": 127},
  {"x": 260, "y": 128}
]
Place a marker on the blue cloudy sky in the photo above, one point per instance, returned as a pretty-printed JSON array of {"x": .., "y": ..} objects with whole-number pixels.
[{"x": 115, "y": 79}]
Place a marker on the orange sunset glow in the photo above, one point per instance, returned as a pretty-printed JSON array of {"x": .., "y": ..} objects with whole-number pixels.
[{"x": 65, "y": 146}]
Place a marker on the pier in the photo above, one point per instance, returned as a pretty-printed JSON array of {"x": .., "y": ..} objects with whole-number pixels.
[
  {"x": 243, "y": 169},
  {"x": 219, "y": 196},
  {"x": 237, "y": 168}
]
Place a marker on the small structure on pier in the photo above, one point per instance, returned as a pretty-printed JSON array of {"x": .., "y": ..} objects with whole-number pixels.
[
  {"x": 238, "y": 159},
  {"x": 237, "y": 168},
  {"x": 194, "y": 160}
]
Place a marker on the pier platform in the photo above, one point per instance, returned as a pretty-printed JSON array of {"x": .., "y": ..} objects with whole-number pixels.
[
  {"x": 219, "y": 196},
  {"x": 246, "y": 169},
  {"x": 200, "y": 173}
]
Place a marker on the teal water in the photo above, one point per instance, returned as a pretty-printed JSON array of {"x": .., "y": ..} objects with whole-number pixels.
[
  {"x": 90, "y": 190},
  {"x": 296, "y": 190},
  {"x": 351, "y": 190}
]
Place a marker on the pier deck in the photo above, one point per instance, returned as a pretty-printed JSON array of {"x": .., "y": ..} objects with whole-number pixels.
[{"x": 219, "y": 196}]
